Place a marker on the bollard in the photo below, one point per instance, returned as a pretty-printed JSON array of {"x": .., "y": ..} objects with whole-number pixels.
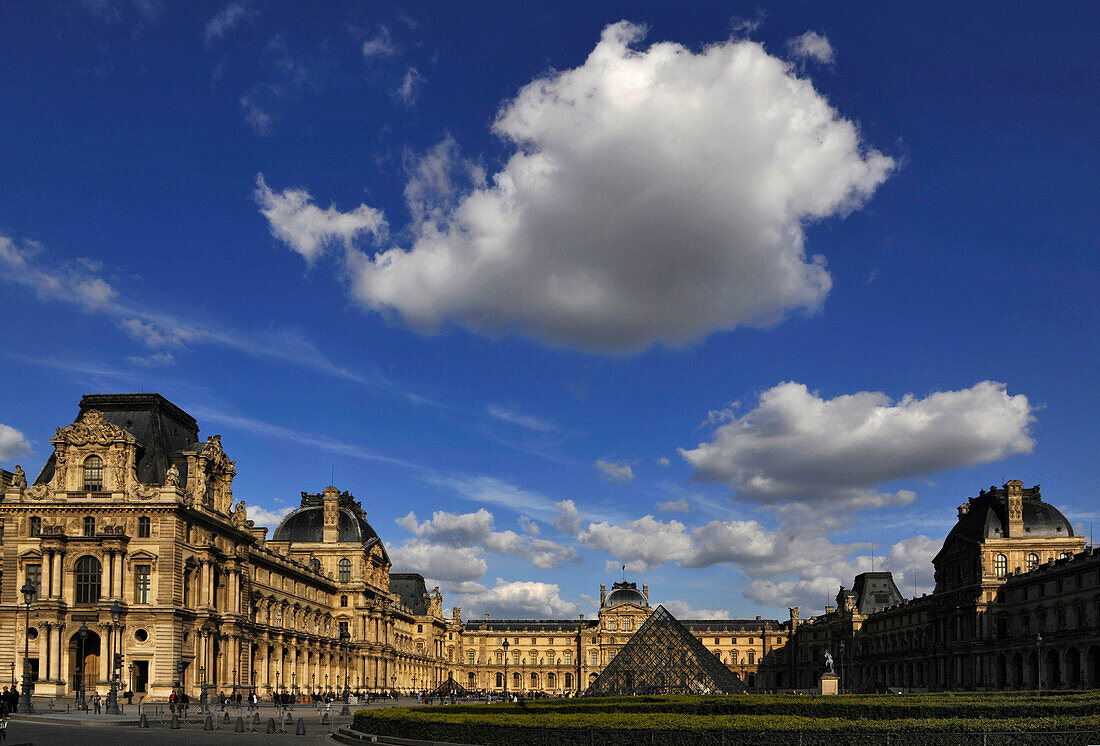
[
  {"x": 239, "y": 728},
  {"x": 289, "y": 719},
  {"x": 175, "y": 725},
  {"x": 255, "y": 718},
  {"x": 301, "y": 729},
  {"x": 208, "y": 724},
  {"x": 271, "y": 726},
  {"x": 226, "y": 718},
  {"x": 143, "y": 722},
  {"x": 326, "y": 719}
]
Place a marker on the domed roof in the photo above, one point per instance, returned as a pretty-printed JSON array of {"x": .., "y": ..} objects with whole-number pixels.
[
  {"x": 625, "y": 593},
  {"x": 307, "y": 523},
  {"x": 986, "y": 516}
]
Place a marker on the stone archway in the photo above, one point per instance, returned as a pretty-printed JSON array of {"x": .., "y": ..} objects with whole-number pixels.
[
  {"x": 1052, "y": 669},
  {"x": 1073, "y": 669},
  {"x": 84, "y": 661}
]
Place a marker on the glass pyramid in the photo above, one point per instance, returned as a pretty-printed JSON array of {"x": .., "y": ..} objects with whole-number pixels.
[
  {"x": 664, "y": 658},
  {"x": 450, "y": 687}
]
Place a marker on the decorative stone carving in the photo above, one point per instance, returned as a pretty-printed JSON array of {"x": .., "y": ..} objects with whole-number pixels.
[
  {"x": 172, "y": 477},
  {"x": 93, "y": 429},
  {"x": 19, "y": 478},
  {"x": 240, "y": 515},
  {"x": 37, "y": 491}
]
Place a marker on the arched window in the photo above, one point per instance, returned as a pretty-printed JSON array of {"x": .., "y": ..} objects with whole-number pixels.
[
  {"x": 93, "y": 474},
  {"x": 1000, "y": 565},
  {"x": 345, "y": 570},
  {"x": 752, "y": 657},
  {"x": 1032, "y": 561},
  {"x": 500, "y": 680},
  {"x": 568, "y": 681},
  {"x": 89, "y": 576}
]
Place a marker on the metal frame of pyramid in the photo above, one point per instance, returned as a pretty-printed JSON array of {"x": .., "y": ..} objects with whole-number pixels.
[
  {"x": 663, "y": 657},
  {"x": 449, "y": 687}
]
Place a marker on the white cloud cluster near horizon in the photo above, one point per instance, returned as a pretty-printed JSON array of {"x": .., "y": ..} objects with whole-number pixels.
[
  {"x": 512, "y": 599},
  {"x": 653, "y": 195},
  {"x": 12, "y": 443},
  {"x": 818, "y": 459}
]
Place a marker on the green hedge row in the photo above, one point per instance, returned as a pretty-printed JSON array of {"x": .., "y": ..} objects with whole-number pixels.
[
  {"x": 815, "y": 733},
  {"x": 877, "y": 707}
]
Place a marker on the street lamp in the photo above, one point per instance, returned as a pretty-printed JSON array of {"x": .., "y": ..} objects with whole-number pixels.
[
  {"x": 116, "y": 662},
  {"x": 345, "y": 643},
  {"x": 13, "y": 673},
  {"x": 29, "y": 591},
  {"x": 843, "y": 678},
  {"x": 83, "y": 634},
  {"x": 1039, "y": 660},
  {"x": 393, "y": 679},
  {"x": 206, "y": 630},
  {"x": 130, "y": 688},
  {"x": 505, "y": 646}
]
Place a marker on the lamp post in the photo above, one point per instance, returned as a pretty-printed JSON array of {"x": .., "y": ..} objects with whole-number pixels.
[
  {"x": 505, "y": 646},
  {"x": 202, "y": 690},
  {"x": 1039, "y": 660},
  {"x": 13, "y": 673},
  {"x": 393, "y": 679},
  {"x": 843, "y": 678},
  {"x": 116, "y": 662},
  {"x": 206, "y": 630},
  {"x": 29, "y": 591},
  {"x": 130, "y": 668},
  {"x": 276, "y": 680},
  {"x": 82, "y": 633},
  {"x": 345, "y": 643}
]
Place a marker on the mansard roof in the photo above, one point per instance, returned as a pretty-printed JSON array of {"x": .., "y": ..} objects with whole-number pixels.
[
  {"x": 162, "y": 429},
  {"x": 306, "y": 524},
  {"x": 986, "y": 516}
]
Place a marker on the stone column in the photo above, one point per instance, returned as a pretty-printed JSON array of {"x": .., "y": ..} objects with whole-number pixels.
[{"x": 204, "y": 584}]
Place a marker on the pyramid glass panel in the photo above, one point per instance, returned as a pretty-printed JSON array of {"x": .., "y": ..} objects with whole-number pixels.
[
  {"x": 450, "y": 687},
  {"x": 663, "y": 657}
]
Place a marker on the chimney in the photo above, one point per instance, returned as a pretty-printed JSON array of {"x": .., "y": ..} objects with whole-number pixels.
[
  {"x": 603, "y": 593},
  {"x": 582, "y": 617},
  {"x": 486, "y": 617},
  {"x": 331, "y": 501},
  {"x": 794, "y": 618},
  {"x": 1014, "y": 496}
]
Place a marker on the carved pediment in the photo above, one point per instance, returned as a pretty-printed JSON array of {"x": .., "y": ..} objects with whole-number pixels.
[{"x": 92, "y": 429}]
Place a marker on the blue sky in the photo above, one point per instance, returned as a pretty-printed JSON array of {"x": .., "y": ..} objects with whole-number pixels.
[{"x": 736, "y": 295}]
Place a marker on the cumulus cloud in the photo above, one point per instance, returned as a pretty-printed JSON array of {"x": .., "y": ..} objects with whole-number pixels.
[
  {"x": 469, "y": 530},
  {"x": 681, "y": 610},
  {"x": 643, "y": 543},
  {"x": 516, "y": 600},
  {"x": 798, "y": 449},
  {"x": 448, "y": 563},
  {"x": 306, "y": 228},
  {"x": 225, "y": 21},
  {"x": 653, "y": 195},
  {"x": 568, "y": 518},
  {"x": 265, "y": 517},
  {"x": 614, "y": 471},
  {"x": 12, "y": 443},
  {"x": 811, "y": 46}
]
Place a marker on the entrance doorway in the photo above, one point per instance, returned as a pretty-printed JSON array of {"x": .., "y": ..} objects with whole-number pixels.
[{"x": 84, "y": 661}]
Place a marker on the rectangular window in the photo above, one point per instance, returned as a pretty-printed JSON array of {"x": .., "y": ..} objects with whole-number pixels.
[
  {"x": 143, "y": 583},
  {"x": 568, "y": 658},
  {"x": 550, "y": 658},
  {"x": 36, "y": 526},
  {"x": 470, "y": 657},
  {"x": 516, "y": 655},
  {"x": 144, "y": 527},
  {"x": 89, "y": 525},
  {"x": 344, "y": 627},
  {"x": 34, "y": 574},
  {"x": 595, "y": 658}
]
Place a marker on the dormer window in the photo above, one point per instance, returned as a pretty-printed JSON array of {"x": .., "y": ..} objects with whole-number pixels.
[
  {"x": 1032, "y": 561},
  {"x": 93, "y": 474}
]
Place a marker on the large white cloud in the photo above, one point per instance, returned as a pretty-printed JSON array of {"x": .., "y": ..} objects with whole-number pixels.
[
  {"x": 447, "y": 563},
  {"x": 473, "y": 530},
  {"x": 653, "y": 195},
  {"x": 796, "y": 447},
  {"x": 12, "y": 443},
  {"x": 514, "y": 600}
]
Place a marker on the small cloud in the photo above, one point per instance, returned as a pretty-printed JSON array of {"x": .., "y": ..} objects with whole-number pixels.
[
  {"x": 153, "y": 361},
  {"x": 259, "y": 119},
  {"x": 568, "y": 520},
  {"x": 529, "y": 526},
  {"x": 225, "y": 21},
  {"x": 409, "y": 91},
  {"x": 662, "y": 461},
  {"x": 615, "y": 472},
  {"x": 675, "y": 506},
  {"x": 811, "y": 46},
  {"x": 12, "y": 443},
  {"x": 265, "y": 517},
  {"x": 743, "y": 26},
  {"x": 523, "y": 420},
  {"x": 381, "y": 45}
]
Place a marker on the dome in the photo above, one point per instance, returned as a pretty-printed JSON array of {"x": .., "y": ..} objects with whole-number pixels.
[
  {"x": 625, "y": 593},
  {"x": 986, "y": 517},
  {"x": 306, "y": 524}
]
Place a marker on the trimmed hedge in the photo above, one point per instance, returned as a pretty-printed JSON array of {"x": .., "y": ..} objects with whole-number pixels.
[{"x": 767, "y": 720}]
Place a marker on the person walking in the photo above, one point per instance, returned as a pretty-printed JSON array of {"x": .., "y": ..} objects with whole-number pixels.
[
  {"x": 97, "y": 702},
  {"x": 3, "y": 727}
]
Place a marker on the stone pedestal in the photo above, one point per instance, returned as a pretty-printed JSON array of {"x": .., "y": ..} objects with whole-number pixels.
[{"x": 829, "y": 683}]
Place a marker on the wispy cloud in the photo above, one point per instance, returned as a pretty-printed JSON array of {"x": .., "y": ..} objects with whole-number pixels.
[
  {"x": 523, "y": 420},
  {"x": 226, "y": 20},
  {"x": 614, "y": 471}
]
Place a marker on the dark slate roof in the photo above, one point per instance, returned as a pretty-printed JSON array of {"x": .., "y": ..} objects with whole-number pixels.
[
  {"x": 625, "y": 593},
  {"x": 163, "y": 430},
  {"x": 410, "y": 587},
  {"x": 306, "y": 524},
  {"x": 875, "y": 591},
  {"x": 726, "y": 626},
  {"x": 986, "y": 517},
  {"x": 529, "y": 625}
]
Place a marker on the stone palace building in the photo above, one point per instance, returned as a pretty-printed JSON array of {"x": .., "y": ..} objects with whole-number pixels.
[{"x": 143, "y": 565}]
